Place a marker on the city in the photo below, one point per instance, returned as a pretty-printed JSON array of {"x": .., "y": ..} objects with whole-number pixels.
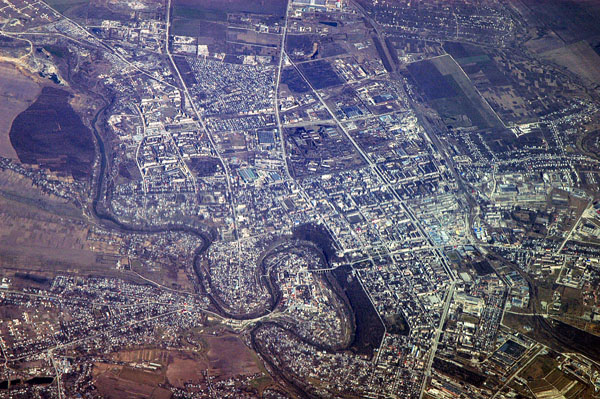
[{"x": 300, "y": 199}]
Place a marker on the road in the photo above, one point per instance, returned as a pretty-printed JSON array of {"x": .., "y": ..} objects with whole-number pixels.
[
  {"x": 438, "y": 333},
  {"x": 535, "y": 349},
  {"x": 137, "y": 150},
  {"x": 568, "y": 237},
  {"x": 57, "y": 372},
  {"x": 386, "y": 182},
  {"x": 278, "y": 82}
]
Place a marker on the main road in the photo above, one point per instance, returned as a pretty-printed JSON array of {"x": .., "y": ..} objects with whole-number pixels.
[
  {"x": 277, "y": 83},
  {"x": 436, "y": 340}
]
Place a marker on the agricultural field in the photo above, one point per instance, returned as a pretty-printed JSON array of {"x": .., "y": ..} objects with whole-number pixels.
[
  {"x": 51, "y": 135},
  {"x": 545, "y": 379},
  {"x": 64, "y": 6},
  {"x": 208, "y": 32},
  {"x": 320, "y": 74},
  {"x": 39, "y": 241},
  {"x": 500, "y": 84},
  {"x": 116, "y": 381},
  {"x": 252, "y": 37},
  {"x": 579, "y": 58},
  {"x": 452, "y": 94},
  {"x": 218, "y": 9},
  {"x": 41, "y": 235},
  {"x": 228, "y": 356},
  {"x": 141, "y": 371},
  {"x": 92, "y": 11},
  {"x": 18, "y": 91},
  {"x": 571, "y": 21}
]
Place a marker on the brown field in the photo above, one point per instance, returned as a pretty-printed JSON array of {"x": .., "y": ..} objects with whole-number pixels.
[
  {"x": 43, "y": 235},
  {"x": 17, "y": 92},
  {"x": 141, "y": 376},
  {"x": 143, "y": 355},
  {"x": 177, "y": 366},
  {"x": 183, "y": 280},
  {"x": 168, "y": 273},
  {"x": 579, "y": 58},
  {"x": 539, "y": 368},
  {"x": 126, "y": 382},
  {"x": 248, "y": 36},
  {"x": 185, "y": 370},
  {"x": 546, "y": 380},
  {"x": 558, "y": 379},
  {"x": 220, "y": 357},
  {"x": 229, "y": 356}
]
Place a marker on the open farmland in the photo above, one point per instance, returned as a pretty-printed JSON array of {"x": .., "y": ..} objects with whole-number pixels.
[
  {"x": 579, "y": 58},
  {"x": 320, "y": 74},
  {"x": 216, "y": 10},
  {"x": 228, "y": 356},
  {"x": 452, "y": 94},
  {"x": 50, "y": 134},
  {"x": 123, "y": 381},
  {"x": 17, "y": 92}
]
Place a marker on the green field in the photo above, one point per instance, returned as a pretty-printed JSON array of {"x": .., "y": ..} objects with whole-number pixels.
[
  {"x": 474, "y": 59},
  {"x": 452, "y": 94},
  {"x": 64, "y": 5},
  {"x": 197, "y": 13},
  {"x": 196, "y": 22},
  {"x": 471, "y": 102}
]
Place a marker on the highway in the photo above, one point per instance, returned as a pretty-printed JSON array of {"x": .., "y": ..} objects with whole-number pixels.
[
  {"x": 278, "y": 81},
  {"x": 406, "y": 209},
  {"x": 282, "y": 56},
  {"x": 57, "y": 372},
  {"x": 537, "y": 349},
  {"x": 438, "y": 333},
  {"x": 568, "y": 237}
]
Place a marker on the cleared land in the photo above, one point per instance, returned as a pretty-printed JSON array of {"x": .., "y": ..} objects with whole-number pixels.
[
  {"x": 17, "y": 92},
  {"x": 228, "y": 356},
  {"x": 545, "y": 380},
  {"x": 218, "y": 357},
  {"x": 448, "y": 67},
  {"x": 320, "y": 74},
  {"x": 579, "y": 58},
  {"x": 217, "y": 9},
  {"x": 452, "y": 94},
  {"x": 50, "y": 134}
]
